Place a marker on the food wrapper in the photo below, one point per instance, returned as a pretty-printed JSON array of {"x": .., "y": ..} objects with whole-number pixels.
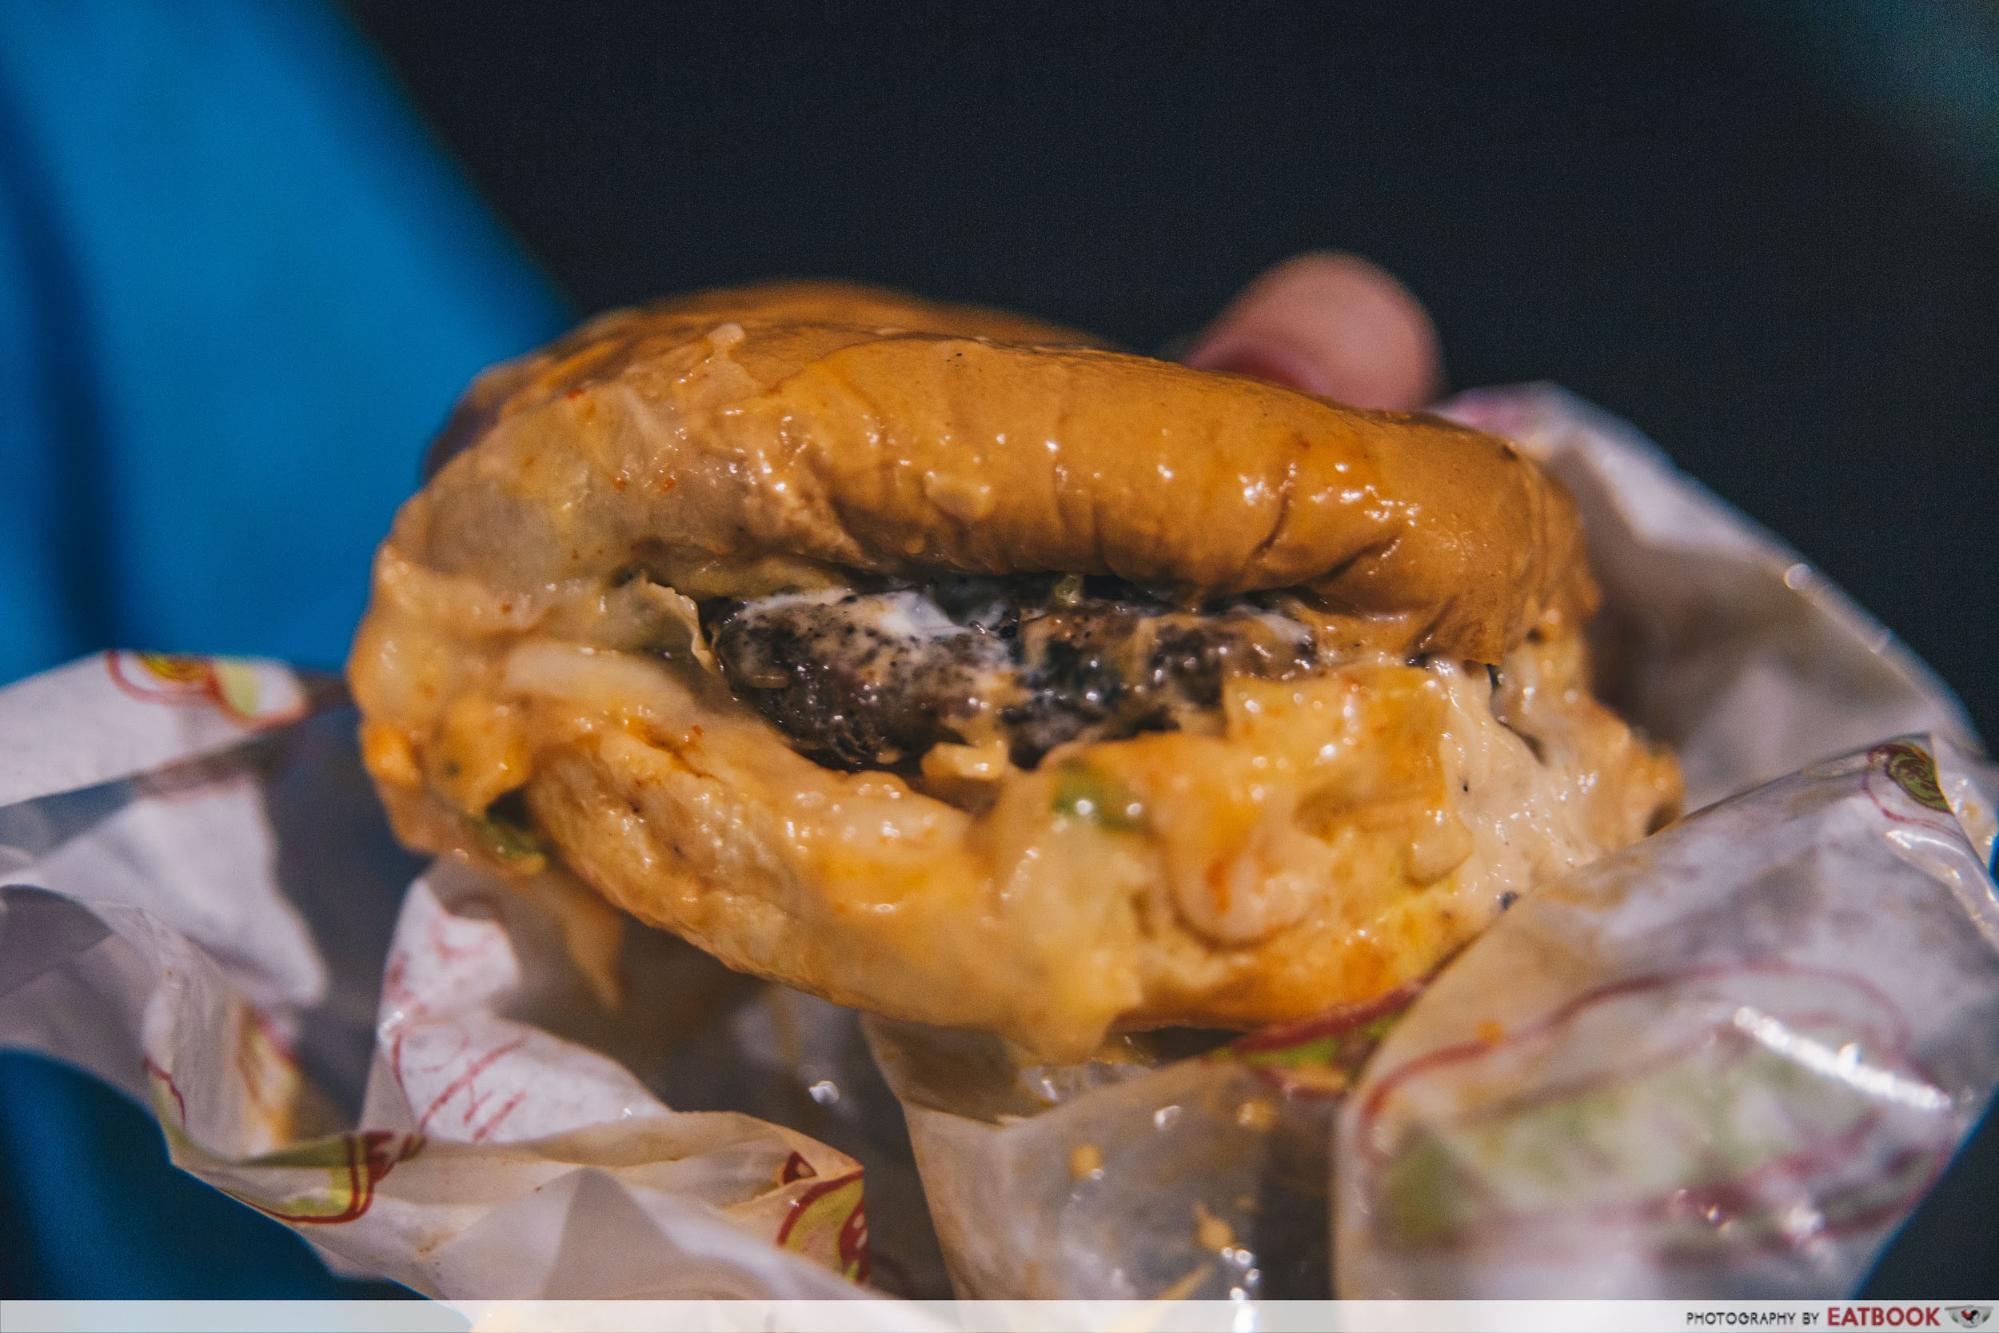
[
  {"x": 419, "y": 1075},
  {"x": 1727, "y": 1061}
]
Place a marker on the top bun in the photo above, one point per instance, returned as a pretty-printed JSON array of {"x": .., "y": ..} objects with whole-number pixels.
[{"x": 795, "y": 425}]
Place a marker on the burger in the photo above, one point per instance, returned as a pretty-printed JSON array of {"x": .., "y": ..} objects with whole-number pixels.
[{"x": 957, "y": 667}]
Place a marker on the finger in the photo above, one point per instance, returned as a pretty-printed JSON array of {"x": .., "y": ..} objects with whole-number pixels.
[{"x": 1329, "y": 324}]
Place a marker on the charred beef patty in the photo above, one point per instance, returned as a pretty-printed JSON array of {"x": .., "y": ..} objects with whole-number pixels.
[{"x": 874, "y": 679}]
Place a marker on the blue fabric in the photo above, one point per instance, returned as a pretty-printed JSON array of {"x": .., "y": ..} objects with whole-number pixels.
[{"x": 239, "y": 287}]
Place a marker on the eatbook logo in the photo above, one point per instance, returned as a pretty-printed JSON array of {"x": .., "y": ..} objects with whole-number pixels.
[{"x": 1969, "y": 1316}]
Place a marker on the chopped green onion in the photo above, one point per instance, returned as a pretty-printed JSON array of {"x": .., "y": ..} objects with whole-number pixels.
[
  {"x": 505, "y": 840},
  {"x": 1085, "y": 793}
]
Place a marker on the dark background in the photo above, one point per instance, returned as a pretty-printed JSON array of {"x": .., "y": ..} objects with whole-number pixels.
[{"x": 1764, "y": 233}]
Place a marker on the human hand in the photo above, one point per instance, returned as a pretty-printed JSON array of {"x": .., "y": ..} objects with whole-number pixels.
[{"x": 1329, "y": 324}]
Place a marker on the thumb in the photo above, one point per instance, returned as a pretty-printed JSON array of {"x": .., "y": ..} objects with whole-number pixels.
[{"x": 1328, "y": 324}]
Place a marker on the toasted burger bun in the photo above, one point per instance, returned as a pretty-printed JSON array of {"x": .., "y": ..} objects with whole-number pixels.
[{"x": 758, "y": 611}]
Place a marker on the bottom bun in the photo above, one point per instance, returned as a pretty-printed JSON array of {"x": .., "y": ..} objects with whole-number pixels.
[{"x": 1329, "y": 839}]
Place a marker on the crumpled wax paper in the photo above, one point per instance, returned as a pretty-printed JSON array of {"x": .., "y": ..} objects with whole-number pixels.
[
  {"x": 417, "y": 1077},
  {"x": 1727, "y": 1061}
]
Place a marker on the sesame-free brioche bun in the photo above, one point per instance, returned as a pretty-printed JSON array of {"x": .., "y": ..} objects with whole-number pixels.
[{"x": 554, "y": 676}]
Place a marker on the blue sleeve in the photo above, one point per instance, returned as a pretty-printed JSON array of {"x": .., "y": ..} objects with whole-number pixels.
[{"x": 239, "y": 286}]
